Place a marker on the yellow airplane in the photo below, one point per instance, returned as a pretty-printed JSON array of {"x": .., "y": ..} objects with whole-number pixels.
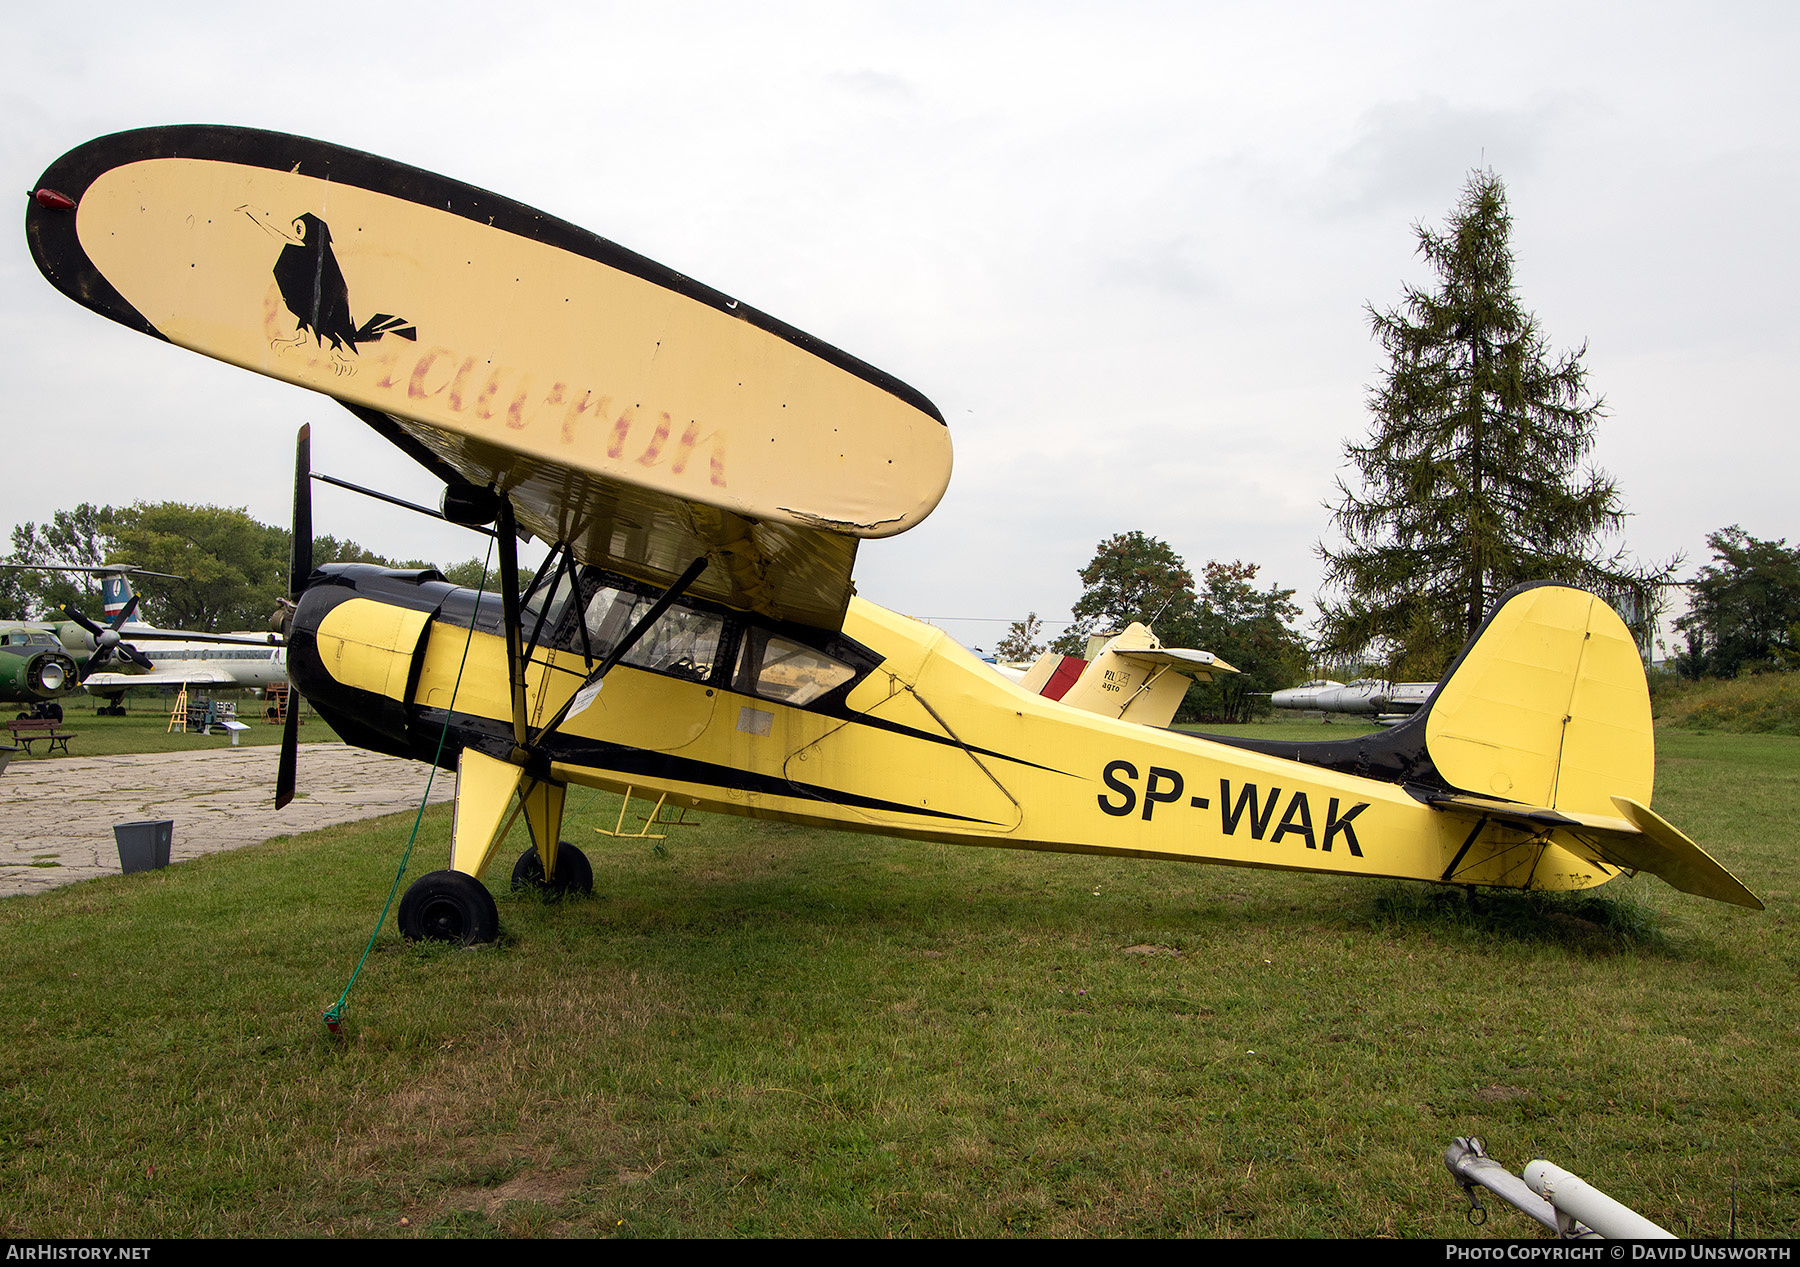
[{"x": 706, "y": 474}]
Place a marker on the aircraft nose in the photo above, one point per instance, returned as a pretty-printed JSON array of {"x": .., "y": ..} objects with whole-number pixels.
[
  {"x": 353, "y": 641},
  {"x": 53, "y": 676}
]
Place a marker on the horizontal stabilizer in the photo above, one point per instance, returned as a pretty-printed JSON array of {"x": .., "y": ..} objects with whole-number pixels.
[
  {"x": 1202, "y": 666},
  {"x": 1638, "y": 839}
]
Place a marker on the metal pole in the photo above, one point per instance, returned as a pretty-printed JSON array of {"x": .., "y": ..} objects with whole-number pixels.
[{"x": 1576, "y": 1198}]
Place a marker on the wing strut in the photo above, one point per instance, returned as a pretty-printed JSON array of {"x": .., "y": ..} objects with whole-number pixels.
[{"x": 509, "y": 605}]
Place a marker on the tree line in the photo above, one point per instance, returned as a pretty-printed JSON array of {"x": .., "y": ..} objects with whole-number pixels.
[{"x": 232, "y": 569}]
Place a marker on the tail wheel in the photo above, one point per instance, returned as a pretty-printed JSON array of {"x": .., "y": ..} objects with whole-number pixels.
[
  {"x": 449, "y": 906},
  {"x": 574, "y": 874}
]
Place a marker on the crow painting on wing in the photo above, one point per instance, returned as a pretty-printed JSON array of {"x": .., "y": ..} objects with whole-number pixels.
[{"x": 313, "y": 288}]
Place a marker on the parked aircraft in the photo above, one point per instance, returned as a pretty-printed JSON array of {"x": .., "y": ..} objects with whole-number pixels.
[
  {"x": 706, "y": 474},
  {"x": 40, "y": 663},
  {"x": 1389, "y": 702},
  {"x": 108, "y": 662},
  {"x": 173, "y": 657}
]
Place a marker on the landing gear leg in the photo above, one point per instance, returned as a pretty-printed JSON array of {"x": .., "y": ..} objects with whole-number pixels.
[{"x": 449, "y": 906}]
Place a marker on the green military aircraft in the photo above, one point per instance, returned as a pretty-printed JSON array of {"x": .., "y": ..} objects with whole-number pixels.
[{"x": 43, "y": 660}]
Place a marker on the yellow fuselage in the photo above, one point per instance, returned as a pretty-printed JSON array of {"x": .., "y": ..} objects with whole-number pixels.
[{"x": 934, "y": 744}]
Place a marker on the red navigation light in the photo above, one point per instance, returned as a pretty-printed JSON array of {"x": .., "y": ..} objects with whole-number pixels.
[{"x": 51, "y": 200}]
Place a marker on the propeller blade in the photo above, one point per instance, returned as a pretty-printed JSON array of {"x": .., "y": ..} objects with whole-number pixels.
[
  {"x": 137, "y": 657},
  {"x": 124, "y": 615},
  {"x": 81, "y": 620},
  {"x": 300, "y": 563},
  {"x": 287, "y": 771}
]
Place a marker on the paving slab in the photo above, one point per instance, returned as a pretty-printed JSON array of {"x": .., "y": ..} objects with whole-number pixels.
[{"x": 57, "y": 814}]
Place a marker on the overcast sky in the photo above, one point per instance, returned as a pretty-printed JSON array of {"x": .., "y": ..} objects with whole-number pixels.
[{"x": 1125, "y": 249}]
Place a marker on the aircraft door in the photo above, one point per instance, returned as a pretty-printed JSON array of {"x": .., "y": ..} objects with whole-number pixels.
[{"x": 669, "y": 704}]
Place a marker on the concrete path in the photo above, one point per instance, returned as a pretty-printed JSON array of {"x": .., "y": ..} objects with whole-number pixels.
[{"x": 61, "y": 810}]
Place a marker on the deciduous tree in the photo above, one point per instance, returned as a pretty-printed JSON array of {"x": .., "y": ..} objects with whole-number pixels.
[
  {"x": 1021, "y": 642},
  {"x": 73, "y": 538},
  {"x": 1745, "y": 611},
  {"x": 1132, "y": 576},
  {"x": 1249, "y": 629},
  {"x": 1138, "y": 577},
  {"x": 232, "y": 568}
]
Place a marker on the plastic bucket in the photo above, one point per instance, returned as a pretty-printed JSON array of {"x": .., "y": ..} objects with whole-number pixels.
[{"x": 144, "y": 846}]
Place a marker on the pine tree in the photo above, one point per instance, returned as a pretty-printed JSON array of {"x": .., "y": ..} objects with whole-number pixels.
[{"x": 1473, "y": 478}]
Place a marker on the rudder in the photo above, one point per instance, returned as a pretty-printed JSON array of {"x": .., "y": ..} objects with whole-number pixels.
[{"x": 1547, "y": 705}]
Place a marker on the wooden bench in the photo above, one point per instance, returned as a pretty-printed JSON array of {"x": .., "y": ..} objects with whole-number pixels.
[{"x": 29, "y": 730}]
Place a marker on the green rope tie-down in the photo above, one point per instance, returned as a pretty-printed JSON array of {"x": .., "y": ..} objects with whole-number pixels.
[{"x": 335, "y": 1012}]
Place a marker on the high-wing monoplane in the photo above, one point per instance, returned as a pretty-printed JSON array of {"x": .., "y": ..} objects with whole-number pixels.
[{"x": 706, "y": 474}]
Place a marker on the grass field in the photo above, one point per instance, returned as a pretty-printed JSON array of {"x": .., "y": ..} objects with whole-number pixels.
[{"x": 757, "y": 1029}]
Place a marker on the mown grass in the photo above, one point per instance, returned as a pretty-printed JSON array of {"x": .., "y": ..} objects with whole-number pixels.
[{"x": 756, "y": 1029}]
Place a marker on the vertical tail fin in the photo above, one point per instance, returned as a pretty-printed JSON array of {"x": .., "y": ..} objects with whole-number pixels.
[
  {"x": 1547, "y": 705},
  {"x": 115, "y": 593}
]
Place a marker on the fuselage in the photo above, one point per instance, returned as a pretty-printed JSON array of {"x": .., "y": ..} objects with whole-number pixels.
[
  {"x": 252, "y": 664},
  {"x": 889, "y": 726},
  {"x": 41, "y": 660}
]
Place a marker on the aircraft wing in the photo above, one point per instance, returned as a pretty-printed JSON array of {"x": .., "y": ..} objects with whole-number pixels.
[
  {"x": 625, "y": 408},
  {"x": 161, "y": 677},
  {"x": 1638, "y": 839}
]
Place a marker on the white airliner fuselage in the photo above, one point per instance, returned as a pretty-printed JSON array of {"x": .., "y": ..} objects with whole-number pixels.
[{"x": 251, "y": 664}]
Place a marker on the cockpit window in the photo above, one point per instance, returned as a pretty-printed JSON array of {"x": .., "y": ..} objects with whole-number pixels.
[
  {"x": 552, "y": 600},
  {"x": 786, "y": 671},
  {"x": 682, "y": 642}
]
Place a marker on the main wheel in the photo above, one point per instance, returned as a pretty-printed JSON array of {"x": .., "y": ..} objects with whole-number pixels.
[
  {"x": 449, "y": 906},
  {"x": 574, "y": 874}
]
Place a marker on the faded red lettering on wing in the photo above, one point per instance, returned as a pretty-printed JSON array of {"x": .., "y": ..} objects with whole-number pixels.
[
  {"x": 515, "y": 412},
  {"x": 416, "y": 388},
  {"x": 691, "y": 439},
  {"x": 588, "y": 403},
  {"x": 620, "y": 430},
  {"x": 388, "y": 366},
  {"x": 460, "y": 382},
  {"x": 653, "y": 451}
]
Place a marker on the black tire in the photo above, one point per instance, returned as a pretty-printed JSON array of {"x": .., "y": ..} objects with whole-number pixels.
[
  {"x": 449, "y": 906},
  {"x": 53, "y": 711},
  {"x": 574, "y": 873}
]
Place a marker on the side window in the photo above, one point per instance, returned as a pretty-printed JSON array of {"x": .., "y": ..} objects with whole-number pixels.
[
  {"x": 786, "y": 671},
  {"x": 551, "y": 600},
  {"x": 682, "y": 642}
]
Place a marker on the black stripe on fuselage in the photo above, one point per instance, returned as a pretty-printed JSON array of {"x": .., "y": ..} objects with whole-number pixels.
[{"x": 607, "y": 758}]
